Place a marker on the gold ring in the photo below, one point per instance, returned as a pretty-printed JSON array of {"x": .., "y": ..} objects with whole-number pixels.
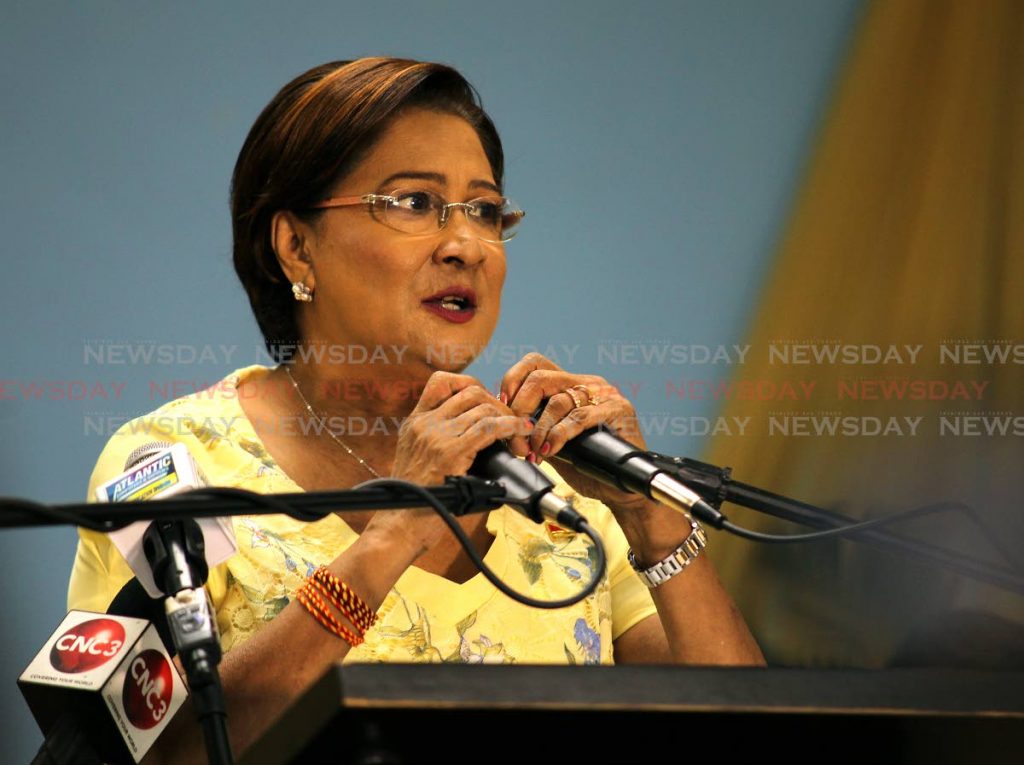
[
  {"x": 592, "y": 399},
  {"x": 574, "y": 396}
]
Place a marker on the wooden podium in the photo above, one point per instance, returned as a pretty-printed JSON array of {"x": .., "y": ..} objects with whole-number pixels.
[{"x": 402, "y": 713}]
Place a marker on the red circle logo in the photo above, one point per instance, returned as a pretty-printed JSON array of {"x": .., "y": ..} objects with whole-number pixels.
[
  {"x": 87, "y": 645},
  {"x": 147, "y": 689}
]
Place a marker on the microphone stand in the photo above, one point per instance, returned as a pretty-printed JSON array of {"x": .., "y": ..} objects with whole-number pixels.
[
  {"x": 177, "y": 556},
  {"x": 715, "y": 486}
]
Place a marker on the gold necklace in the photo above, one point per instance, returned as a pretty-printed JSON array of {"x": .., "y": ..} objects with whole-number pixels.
[{"x": 323, "y": 424}]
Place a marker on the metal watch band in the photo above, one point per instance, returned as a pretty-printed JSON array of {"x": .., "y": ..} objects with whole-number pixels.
[{"x": 676, "y": 561}]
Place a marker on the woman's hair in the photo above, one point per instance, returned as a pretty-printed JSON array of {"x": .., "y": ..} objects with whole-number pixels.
[{"x": 315, "y": 131}]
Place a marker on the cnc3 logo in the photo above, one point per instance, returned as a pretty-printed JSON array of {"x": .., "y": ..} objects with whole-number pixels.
[
  {"x": 147, "y": 689},
  {"x": 86, "y": 646}
]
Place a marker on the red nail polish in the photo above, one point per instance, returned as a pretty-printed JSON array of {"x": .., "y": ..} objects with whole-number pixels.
[
  {"x": 546, "y": 448},
  {"x": 531, "y": 457},
  {"x": 503, "y": 398}
]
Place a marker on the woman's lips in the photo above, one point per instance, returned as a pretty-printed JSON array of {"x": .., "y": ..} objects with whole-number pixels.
[
  {"x": 456, "y": 316},
  {"x": 455, "y": 303}
]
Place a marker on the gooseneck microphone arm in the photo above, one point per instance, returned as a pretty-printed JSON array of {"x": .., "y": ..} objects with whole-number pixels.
[
  {"x": 716, "y": 486},
  {"x": 176, "y": 554},
  {"x": 690, "y": 486}
]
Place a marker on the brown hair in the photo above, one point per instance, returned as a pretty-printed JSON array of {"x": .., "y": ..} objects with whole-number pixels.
[{"x": 313, "y": 132}]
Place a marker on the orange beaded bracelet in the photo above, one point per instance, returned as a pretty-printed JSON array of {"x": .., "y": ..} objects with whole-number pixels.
[
  {"x": 323, "y": 584},
  {"x": 344, "y": 598},
  {"x": 360, "y": 623},
  {"x": 312, "y": 602}
]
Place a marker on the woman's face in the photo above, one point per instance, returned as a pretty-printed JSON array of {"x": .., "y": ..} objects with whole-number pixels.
[{"x": 377, "y": 288}]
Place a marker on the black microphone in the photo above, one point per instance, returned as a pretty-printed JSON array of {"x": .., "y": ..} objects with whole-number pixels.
[
  {"x": 602, "y": 454},
  {"x": 527, "y": 488}
]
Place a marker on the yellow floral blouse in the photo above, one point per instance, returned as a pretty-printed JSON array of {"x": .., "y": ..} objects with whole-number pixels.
[{"x": 425, "y": 617}]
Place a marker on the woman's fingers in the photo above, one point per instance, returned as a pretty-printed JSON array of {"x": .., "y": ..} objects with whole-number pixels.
[
  {"x": 441, "y": 387},
  {"x": 468, "y": 398},
  {"x": 446, "y": 398},
  {"x": 563, "y": 405},
  {"x": 579, "y": 419},
  {"x": 489, "y": 429},
  {"x": 516, "y": 376},
  {"x": 550, "y": 390},
  {"x": 455, "y": 418},
  {"x": 558, "y": 407},
  {"x": 525, "y": 387}
]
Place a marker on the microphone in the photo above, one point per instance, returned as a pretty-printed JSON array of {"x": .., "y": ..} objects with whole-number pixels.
[
  {"x": 602, "y": 454},
  {"x": 527, "y": 488},
  {"x": 102, "y": 688},
  {"x": 174, "y": 564},
  {"x": 155, "y": 471},
  {"x": 172, "y": 558}
]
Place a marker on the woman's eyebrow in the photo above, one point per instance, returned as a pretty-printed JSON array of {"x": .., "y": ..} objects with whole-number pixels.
[
  {"x": 438, "y": 178},
  {"x": 484, "y": 185},
  {"x": 417, "y": 175}
]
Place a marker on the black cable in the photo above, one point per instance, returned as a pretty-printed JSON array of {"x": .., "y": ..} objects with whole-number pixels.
[
  {"x": 268, "y": 500},
  {"x": 852, "y": 528},
  {"x": 449, "y": 519},
  {"x": 467, "y": 545},
  {"x": 716, "y": 486},
  {"x": 993, "y": 538}
]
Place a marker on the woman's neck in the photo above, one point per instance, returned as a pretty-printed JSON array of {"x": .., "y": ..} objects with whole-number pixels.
[{"x": 362, "y": 404}]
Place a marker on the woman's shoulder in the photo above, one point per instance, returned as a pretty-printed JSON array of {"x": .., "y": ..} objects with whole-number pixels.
[{"x": 210, "y": 423}]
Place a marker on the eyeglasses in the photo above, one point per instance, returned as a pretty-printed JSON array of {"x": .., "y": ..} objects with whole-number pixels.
[{"x": 416, "y": 211}]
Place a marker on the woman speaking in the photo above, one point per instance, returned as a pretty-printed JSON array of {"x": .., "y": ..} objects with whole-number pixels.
[{"x": 370, "y": 227}]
